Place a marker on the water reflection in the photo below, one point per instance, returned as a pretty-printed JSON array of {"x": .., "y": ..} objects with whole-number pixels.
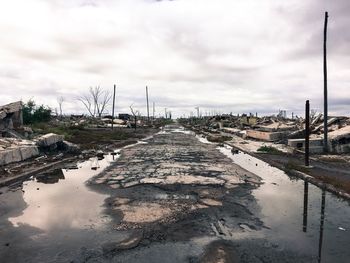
[
  {"x": 296, "y": 215},
  {"x": 323, "y": 207},
  {"x": 51, "y": 177},
  {"x": 322, "y": 217},
  {"x": 67, "y": 204},
  {"x": 306, "y": 197}
]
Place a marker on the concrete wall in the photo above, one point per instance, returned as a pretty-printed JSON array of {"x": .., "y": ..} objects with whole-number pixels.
[
  {"x": 316, "y": 145},
  {"x": 265, "y": 136}
]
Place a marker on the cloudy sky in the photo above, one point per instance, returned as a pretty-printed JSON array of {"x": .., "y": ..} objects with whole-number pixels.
[{"x": 228, "y": 55}]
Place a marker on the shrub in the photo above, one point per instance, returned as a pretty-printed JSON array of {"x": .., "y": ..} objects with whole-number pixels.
[{"x": 35, "y": 114}]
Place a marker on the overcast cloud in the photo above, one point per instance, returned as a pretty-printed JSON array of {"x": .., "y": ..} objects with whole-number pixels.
[{"x": 228, "y": 55}]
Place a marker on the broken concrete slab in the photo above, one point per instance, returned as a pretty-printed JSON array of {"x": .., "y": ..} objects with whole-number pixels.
[
  {"x": 11, "y": 116},
  {"x": 18, "y": 154},
  {"x": 49, "y": 139}
]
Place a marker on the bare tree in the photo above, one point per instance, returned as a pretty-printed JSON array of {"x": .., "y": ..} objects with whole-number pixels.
[
  {"x": 60, "y": 101},
  {"x": 96, "y": 101},
  {"x": 87, "y": 102},
  {"x": 134, "y": 113}
]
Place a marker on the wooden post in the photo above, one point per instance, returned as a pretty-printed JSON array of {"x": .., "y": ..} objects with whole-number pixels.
[
  {"x": 306, "y": 195},
  {"x": 113, "y": 106},
  {"x": 325, "y": 91},
  {"x": 320, "y": 241},
  {"x": 147, "y": 105},
  {"x": 307, "y": 133}
]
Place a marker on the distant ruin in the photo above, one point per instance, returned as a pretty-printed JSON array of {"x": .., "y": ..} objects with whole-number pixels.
[{"x": 11, "y": 117}]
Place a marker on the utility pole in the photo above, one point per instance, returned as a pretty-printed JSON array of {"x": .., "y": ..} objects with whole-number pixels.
[
  {"x": 113, "y": 107},
  {"x": 307, "y": 133},
  {"x": 147, "y": 105},
  {"x": 325, "y": 91},
  {"x": 154, "y": 110}
]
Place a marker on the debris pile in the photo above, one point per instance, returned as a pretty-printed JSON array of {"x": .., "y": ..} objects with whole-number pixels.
[
  {"x": 11, "y": 118},
  {"x": 279, "y": 129}
]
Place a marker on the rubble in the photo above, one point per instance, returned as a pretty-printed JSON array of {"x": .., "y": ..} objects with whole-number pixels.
[
  {"x": 279, "y": 129},
  {"x": 69, "y": 147},
  {"x": 11, "y": 117},
  {"x": 13, "y": 150},
  {"x": 340, "y": 140},
  {"x": 49, "y": 139}
]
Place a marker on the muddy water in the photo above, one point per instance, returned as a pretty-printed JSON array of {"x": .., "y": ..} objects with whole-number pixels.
[{"x": 299, "y": 215}]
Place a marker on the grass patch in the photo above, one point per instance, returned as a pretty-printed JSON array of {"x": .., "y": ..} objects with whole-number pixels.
[
  {"x": 294, "y": 166},
  {"x": 67, "y": 131},
  {"x": 269, "y": 149},
  {"x": 332, "y": 159},
  {"x": 90, "y": 138},
  {"x": 338, "y": 183}
]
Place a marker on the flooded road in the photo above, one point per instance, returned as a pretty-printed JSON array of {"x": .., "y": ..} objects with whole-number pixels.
[
  {"x": 299, "y": 215},
  {"x": 172, "y": 198},
  {"x": 54, "y": 216}
]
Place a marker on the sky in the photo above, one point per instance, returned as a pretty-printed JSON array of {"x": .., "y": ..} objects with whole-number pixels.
[{"x": 224, "y": 56}]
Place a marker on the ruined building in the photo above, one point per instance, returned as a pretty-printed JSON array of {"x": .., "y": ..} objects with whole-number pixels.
[{"x": 11, "y": 117}]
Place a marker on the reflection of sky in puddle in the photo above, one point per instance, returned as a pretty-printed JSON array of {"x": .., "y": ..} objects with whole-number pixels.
[
  {"x": 282, "y": 207},
  {"x": 66, "y": 204}
]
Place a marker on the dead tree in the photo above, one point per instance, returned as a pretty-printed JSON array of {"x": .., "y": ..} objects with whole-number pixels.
[
  {"x": 100, "y": 99},
  {"x": 134, "y": 114},
  {"x": 87, "y": 102},
  {"x": 96, "y": 101},
  {"x": 60, "y": 101}
]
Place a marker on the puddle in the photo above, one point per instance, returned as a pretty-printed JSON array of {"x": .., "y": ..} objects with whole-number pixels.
[
  {"x": 203, "y": 139},
  {"x": 300, "y": 216},
  {"x": 58, "y": 199}
]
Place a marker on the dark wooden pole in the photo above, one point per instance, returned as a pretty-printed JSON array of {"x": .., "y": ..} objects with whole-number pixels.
[
  {"x": 147, "y": 104},
  {"x": 113, "y": 106},
  {"x": 325, "y": 91},
  {"x": 320, "y": 241},
  {"x": 306, "y": 195},
  {"x": 307, "y": 133}
]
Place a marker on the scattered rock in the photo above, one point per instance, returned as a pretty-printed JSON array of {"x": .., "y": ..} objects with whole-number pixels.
[{"x": 69, "y": 147}]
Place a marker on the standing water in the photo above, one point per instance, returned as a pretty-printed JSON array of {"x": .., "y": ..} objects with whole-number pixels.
[
  {"x": 54, "y": 217},
  {"x": 298, "y": 215}
]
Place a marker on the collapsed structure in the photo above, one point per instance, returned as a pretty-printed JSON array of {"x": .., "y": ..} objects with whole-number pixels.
[
  {"x": 279, "y": 129},
  {"x": 11, "y": 117},
  {"x": 15, "y": 147}
]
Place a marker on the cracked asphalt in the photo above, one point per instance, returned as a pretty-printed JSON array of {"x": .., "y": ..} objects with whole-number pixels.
[
  {"x": 170, "y": 198},
  {"x": 182, "y": 200}
]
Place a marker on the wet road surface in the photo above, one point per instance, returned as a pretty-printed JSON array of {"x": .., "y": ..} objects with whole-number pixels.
[{"x": 172, "y": 198}]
